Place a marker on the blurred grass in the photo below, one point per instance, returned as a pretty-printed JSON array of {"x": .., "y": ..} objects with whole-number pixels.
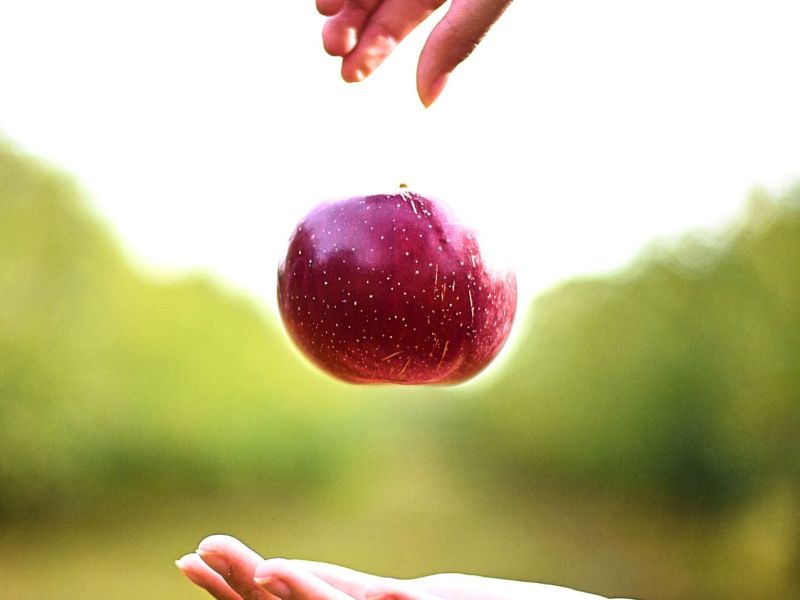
[
  {"x": 409, "y": 524},
  {"x": 643, "y": 439}
]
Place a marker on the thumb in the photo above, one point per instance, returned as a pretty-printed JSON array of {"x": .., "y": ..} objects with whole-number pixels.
[{"x": 452, "y": 40}]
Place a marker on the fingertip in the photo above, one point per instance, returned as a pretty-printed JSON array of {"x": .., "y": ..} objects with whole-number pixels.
[
  {"x": 226, "y": 555},
  {"x": 184, "y": 561},
  {"x": 351, "y": 74},
  {"x": 436, "y": 61},
  {"x": 338, "y": 40},
  {"x": 200, "y": 574},
  {"x": 215, "y": 540},
  {"x": 193, "y": 568},
  {"x": 329, "y": 8},
  {"x": 374, "y": 46},
  {"x": 451, "y": 41},
  {"x": 218, "y": 542},
  {"x": 273, "y": 566},
  {"x": 277, "y": 576},
  {"x": 353, "y": 67},
  {"x": 429, "y": 91}
]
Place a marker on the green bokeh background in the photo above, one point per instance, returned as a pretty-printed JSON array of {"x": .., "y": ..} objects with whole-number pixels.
[{"x": 641, "y": 437}]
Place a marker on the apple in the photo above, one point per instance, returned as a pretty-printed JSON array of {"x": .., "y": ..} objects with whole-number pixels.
[{"x": 391, "y": 288}]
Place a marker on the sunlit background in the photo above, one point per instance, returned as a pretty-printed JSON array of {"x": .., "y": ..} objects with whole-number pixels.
[{"x": 641, "y": 436}]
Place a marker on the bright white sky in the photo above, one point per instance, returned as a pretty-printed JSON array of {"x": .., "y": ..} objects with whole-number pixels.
[{"x": 579, "y": 130}]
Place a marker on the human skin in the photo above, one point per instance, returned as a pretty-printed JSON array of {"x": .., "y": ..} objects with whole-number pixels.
[
  {"x": 229, "y": 570},
  {"x": 364, "y": 33}
]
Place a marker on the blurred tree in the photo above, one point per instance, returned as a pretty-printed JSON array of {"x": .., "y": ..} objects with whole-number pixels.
[
  {"x": 111, "y": 378},
  {"x": 679, "y": 375}
]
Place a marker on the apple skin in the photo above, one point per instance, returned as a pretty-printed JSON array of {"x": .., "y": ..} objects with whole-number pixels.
[{"x": 391, "y": 289}]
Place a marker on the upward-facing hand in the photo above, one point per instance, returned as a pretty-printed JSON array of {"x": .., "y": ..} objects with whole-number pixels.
[
  {"x": 364, "y": 33},
  {"x": 229, "y": 570}
]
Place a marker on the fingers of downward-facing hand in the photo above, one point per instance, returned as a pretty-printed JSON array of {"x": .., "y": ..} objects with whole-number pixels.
[
  {"x": 365, "y": 32},
  {"x": 342, "y": 30},
  {"x": 453, "y": 40},
  {"x": 329, "y": 8},
  {"x": 389, "y": 23}
]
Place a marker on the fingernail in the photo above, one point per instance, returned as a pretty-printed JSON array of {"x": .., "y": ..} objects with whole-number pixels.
[
  {"x": 275, "y": 586},
  {"x": 436, "y": 88},
  {"x": 215, "y": 561}
]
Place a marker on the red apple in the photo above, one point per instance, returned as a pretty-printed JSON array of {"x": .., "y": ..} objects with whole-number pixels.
[{"x": 391, "y": 289}]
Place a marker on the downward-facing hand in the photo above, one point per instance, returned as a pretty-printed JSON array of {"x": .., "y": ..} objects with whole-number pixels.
[{"x": 364, "y": 33}]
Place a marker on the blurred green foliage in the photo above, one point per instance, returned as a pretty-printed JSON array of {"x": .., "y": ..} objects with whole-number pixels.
[
  {"x": 679, "y": 375},
  {"x": 109, "y": 378},
  {"x": 673, "y": 385}
]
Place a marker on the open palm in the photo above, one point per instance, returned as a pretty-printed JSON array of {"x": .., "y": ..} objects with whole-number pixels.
[{"x": 229, "y": 570}]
